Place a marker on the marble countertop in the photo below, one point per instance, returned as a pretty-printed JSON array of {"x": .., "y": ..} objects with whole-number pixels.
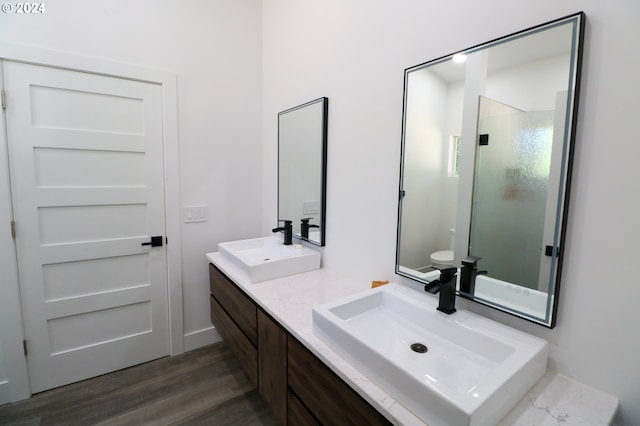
[{"x": 555, "y": 399}]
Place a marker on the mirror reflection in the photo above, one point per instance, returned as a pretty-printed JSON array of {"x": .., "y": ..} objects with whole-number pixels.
[
  {"x": 485, "y": 167},
  {"x": 302, "y": 156}
]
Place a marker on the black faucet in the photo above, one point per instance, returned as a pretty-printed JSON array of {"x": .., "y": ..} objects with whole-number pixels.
[
  {"x": 468, "y": 274},
  {"x": 446, "y": 286},
  {"x": 305, "y": 225},
  {"x": 288, "y": 231}
]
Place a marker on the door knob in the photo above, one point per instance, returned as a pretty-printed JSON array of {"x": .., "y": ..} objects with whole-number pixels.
[{"x": 155, "y": 242}]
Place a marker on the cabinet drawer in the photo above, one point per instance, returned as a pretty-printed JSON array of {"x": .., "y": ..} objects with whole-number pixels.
[
  {"x": 235, "y": 302},
  {"x": 325, "y": 395},
  {"x": 241, "y": 347},
  {"x": 272, "y": 365},
  {"x": 297, "y": 414}
]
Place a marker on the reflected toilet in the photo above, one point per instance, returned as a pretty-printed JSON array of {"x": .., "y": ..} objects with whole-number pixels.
[{"x": 445, "y": 257}]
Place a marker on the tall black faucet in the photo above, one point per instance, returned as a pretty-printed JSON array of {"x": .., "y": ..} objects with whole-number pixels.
[
  {"x": 305, "y": 225},
  {"x": 468, "y": 274},
  {"x": 446, "y": 286},
  {"x": 288, "y": 231}
]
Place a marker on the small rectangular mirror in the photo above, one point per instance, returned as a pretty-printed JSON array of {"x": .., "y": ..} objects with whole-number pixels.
[{"x": 302, "y": 169}]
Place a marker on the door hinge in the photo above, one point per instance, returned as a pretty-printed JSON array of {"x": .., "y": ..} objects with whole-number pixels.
[
  {"x": 24, "y": 346},
  {"x": 13, "y": 229},
  {"x": 549, "y": 251},
  {"x": 4, "y": 100}
]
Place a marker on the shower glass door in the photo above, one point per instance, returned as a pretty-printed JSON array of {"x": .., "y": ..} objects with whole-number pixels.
[{"x": 511, "y": 182}]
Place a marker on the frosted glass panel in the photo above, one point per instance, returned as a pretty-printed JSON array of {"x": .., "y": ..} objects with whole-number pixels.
[{"x": 510, "y": 191}]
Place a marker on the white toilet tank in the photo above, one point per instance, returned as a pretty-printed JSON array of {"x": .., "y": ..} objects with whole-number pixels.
[{"x": 445, "y": 257}]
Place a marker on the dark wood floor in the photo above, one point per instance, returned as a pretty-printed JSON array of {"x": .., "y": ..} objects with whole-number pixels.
[{"x": 200, "y": 387}]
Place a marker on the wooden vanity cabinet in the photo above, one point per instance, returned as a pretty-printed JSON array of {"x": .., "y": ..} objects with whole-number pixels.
[
  {"x": 327, "y": 398},
  {"x": 258, "y": 342},
  {"x": 235, "y": 318},
  {"x": 298, "y": 387},
  {"x": 236, "y": 302},
  {"x": 272, "y": 365},
  {"x": 297, "y": 413}
]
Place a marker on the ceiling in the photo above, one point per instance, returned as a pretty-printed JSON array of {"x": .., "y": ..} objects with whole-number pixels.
[{"x": 513, "y": 51}]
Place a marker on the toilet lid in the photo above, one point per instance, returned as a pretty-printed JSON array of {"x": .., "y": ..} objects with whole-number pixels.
[{"x": 444, "y": 256}]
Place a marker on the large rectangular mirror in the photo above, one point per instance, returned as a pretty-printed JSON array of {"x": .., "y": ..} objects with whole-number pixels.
[
  {"x": 302, "y": 169},
  {"x": 486, "y": 162}
]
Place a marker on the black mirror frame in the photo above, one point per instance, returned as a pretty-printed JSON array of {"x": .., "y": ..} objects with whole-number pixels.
[
  {"x": 552, "y": 302},
  {"x": 323, "y": 182}
]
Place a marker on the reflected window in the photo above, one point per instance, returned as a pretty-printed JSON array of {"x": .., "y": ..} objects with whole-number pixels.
[{"x": 454, "y": 155}]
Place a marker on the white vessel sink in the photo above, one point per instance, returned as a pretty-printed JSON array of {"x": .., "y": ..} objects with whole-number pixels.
[
  {"x": 267, "y": 258},
  {"x": 473, "y": 372},
  {"x": 505, "y": 295},
  {"x": 512, "y": 297}
]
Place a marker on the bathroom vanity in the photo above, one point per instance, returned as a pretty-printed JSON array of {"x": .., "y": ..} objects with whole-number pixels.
[
  {"x": 296, "y": 385},
  {"x": 268, "y": 325}
]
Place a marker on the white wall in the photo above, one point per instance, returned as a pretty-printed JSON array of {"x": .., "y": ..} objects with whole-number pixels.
[
  {"x": 424, "y": 147},
  {"x": 5, "y": 394},
  {"x": 4, "y": 380},
  {"x": 449, "y": 207},
  {"x": 538, "y": 83},
  {"x": 355, "y": 53},
  {"x": 214, "y": 47}
]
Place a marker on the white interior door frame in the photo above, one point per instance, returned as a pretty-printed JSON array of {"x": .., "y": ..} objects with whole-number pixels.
[{"x": 11, "y": 326}]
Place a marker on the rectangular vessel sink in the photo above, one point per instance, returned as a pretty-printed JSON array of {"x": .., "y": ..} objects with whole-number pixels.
[
  {"x": 459, "y": 369},
  {"x": 267, "y": 258},
  {"x": 505, "y": 295}
]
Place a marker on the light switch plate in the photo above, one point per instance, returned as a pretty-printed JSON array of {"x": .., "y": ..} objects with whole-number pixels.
[
  {"x": 195, "y": 214},
  {"x": 310, "y": 207}
]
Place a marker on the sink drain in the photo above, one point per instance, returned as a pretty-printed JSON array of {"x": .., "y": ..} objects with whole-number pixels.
[{"x": 419, "y": 347}]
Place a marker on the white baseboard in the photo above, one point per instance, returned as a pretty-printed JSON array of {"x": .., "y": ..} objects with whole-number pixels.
[
  {"x": 199, "y": 338},
  {"x": 195, "y": 339},
  {"x": 5, "y": 396}
]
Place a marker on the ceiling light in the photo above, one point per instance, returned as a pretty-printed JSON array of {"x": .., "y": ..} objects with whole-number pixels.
[{"x": 459, "y": 58}]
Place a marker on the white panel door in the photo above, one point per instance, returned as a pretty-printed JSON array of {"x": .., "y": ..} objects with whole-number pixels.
[{"x": 86, "y": 161}]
